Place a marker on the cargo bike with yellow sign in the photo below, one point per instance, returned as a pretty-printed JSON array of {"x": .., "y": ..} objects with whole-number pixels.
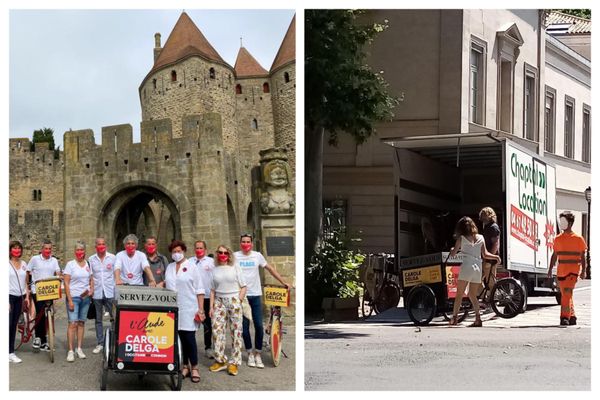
[
  {"x": 143, "y": 337},
  {"x": 276, "y": 297},
  {"x": 47, "y": 290},
  {"x": 429, "y": 289}
]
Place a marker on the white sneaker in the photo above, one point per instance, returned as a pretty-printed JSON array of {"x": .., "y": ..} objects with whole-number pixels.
[
  {"x": 251, "y": 360},
  {"x": 12, "y": 357},
  {"x": 210, "y": 353},
  {"x": 80, "y": 353},
  {"x": 258, "y": 360},
  {"x": 70, "y": 356},
  {"x": 36, "y": 343},
  {"x": 97, "y": 349}
]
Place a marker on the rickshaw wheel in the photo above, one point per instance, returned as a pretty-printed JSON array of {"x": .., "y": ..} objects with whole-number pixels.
[
  {"x": 388, "y": 297},
  {"x": 462, "y": 312},
  {"x": 507, "y": 298},
  {"x": 176, "y": 381},
  {"x": 105, "y": 360},
  {"x": 421, "y": 305}
]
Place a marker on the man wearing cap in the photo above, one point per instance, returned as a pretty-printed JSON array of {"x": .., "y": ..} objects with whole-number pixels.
[{"x": 569, "y": 250}]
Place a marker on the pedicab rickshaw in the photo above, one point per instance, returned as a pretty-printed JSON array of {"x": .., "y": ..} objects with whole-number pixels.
[
  {"x": 143, "y": 339},
  {"x": 429, "y": 289}
]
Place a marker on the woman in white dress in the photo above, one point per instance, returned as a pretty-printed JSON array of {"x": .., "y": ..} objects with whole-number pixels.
[
  {"x": 184, "y": 278},
  {"x": 472, "y": 246}
]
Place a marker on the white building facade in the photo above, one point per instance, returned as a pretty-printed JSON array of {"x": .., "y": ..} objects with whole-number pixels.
[{"x": 461, "y": 72}]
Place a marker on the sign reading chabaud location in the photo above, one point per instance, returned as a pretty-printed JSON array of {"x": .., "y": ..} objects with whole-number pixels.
[{"x": 530, "y": 210}]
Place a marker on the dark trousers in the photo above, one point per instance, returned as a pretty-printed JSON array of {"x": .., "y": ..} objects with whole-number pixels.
[
  {"x": 256, "y": 306},
  {"x": 16, "y": 305},
  {"x": 40, "y": 327},
  {"x": 207, "y": 325},
  {"x": 100, "y": 304},
  {"x": 189, "y": 347}
]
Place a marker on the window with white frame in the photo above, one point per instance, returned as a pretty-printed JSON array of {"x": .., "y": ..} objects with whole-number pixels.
[
  {"x": 586, "y": 151},
  {"x": 529, "y": 103},
  {"x": 549, "y": 119},
  {"x": 569, "y": 127},
  {"x": 477, "y": 82}
]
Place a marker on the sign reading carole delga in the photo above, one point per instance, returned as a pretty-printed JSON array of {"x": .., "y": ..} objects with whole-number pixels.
[
  {"x": 530, "y": 210},
  {"x": 146, "y": 337}
]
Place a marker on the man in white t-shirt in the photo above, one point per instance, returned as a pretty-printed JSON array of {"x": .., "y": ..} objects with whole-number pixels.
[
  {"x": 102, "y": 264},
  {"x": 249, "y": 261},
  {"x": 206, "y": 266},
  {"x": 40, "y": 267},
  {"x": 131, "y": 264}
]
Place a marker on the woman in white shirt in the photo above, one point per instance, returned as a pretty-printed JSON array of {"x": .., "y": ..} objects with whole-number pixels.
[
  {"x": 184, "y": 278},
  {"x": 18, "y": 293},
  {"x": 227, "y": 292},
  {"x": 472, "y": 247},
  {"x": 79, "y": 287}
]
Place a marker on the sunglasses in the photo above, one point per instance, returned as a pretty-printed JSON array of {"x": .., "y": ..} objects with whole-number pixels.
[{"x": 223, "y": 252}]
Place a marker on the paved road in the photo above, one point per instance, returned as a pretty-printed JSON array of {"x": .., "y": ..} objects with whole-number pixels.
[
  {"x": 37, "y": 373},
  {"x": 529, "y": 352}
]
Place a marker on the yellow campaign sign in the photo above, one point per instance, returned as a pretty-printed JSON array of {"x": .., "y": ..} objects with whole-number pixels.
[
  {"x": 48, "y": 289},
  {"x": 275, "y": 296},
  {"x": 416, "y": 276}
]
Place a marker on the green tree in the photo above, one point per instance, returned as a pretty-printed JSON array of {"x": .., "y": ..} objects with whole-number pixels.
[
  {"x": 577, "y": 12},
  {"x": 44, "y": 135},
  {"x": 342, "y": 94}
]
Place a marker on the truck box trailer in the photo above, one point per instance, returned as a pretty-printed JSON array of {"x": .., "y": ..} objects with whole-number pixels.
[{"x": 440, "y": 178}]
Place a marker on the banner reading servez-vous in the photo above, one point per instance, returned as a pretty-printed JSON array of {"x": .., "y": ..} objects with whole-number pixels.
[
  {"x": 146, "y": 337},
  {"x": 530, "y": 210}
]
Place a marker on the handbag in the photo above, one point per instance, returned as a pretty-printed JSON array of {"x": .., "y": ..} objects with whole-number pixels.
[{"x": 91, "y": 311}]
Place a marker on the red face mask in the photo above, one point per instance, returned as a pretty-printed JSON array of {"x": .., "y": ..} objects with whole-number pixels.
[
  {"x": 101, "y": 248},
  {"x": 223, "y": 257},
  {"x": 151, "y": 248},
  {"x": 246, "y": 247},
  {"x": 79, "y": 254},
  {"x": 130, "y": 248},
  {"x": 200, "y": 253},
  {"x": 16, "y": 252},
  {"x": 46, "y": 253}
]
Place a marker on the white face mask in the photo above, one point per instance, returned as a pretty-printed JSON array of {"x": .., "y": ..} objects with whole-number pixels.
[
  {"x": 177, "y": 257},
  {"x": 563, "y": 224}
]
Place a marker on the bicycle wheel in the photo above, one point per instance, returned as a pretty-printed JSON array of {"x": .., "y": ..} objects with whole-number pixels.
[
  {"x": 507, "y": 298},
  {"x": 22, "y": 330},
  {"x": 421, "y": 305},
  {"x": 276, "y": 338},
  {"x": 389, "y": 297},
  {"x": 463, "y": 311},
  {"x": 50, "y": 332}
]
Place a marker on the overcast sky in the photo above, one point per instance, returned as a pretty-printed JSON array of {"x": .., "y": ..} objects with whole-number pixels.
[{"x": 82, "y": 69}]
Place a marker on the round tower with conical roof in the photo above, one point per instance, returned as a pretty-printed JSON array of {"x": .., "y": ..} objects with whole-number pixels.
[
  {"x": 189, "y": 77},
  {"x": 283, "y": 94}
]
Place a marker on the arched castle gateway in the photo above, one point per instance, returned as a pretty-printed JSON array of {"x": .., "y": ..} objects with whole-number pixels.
[{"x": 203, "y": 125}]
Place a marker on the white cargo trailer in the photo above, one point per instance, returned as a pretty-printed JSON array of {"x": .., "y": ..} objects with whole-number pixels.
[{"x": 440, "y": 178}]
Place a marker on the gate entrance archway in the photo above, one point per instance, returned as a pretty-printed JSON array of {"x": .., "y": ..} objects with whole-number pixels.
[{"x": 142, "y": 210}]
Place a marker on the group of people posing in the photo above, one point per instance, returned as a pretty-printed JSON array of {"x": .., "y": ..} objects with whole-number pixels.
[
  {"x": 210, "y": 292},
  {"x": 481, "y": 257}
]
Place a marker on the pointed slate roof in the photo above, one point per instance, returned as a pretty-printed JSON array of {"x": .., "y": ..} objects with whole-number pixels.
[
  {"x": 287, "y": 51},
  {"x": 185, "y": 40},
  {"x": 247, "y": 66}
]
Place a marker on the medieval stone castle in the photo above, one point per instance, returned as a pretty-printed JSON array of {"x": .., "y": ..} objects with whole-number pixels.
[{"x": 203, "y": 125}]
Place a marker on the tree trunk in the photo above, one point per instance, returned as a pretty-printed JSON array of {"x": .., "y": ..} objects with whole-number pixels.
[{"x": 313, "y": 191}]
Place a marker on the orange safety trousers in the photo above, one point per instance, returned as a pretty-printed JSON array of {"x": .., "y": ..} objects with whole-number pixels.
[{"x": 566, "y": 285}]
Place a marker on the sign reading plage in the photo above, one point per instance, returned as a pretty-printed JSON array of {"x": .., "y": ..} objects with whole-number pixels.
[
  {"x": 415, "y": 276},
  {"x": 147, "y": 337},
  {"x": 275, "y": 296},
  {"x": 48, "y": 290}
]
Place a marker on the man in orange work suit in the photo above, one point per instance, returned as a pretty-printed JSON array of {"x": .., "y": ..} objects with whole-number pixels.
[{"x": 569, "y": 249}]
